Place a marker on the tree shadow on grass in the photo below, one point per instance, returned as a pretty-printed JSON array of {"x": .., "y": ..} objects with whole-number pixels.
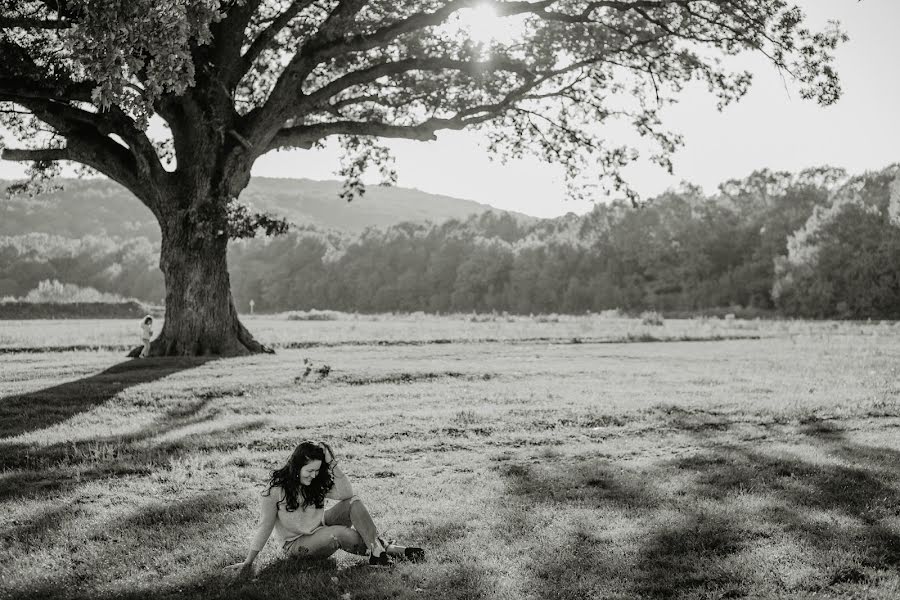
[
  {"x": 37, "y": 410},
  {"x": 734, "y": 521},
  {"x": 590, "y": 482},
  {"x": 568, "y": 556},
  {"x": 128, "y": 557},
  {"x": 40, "y": 529},
  {"x": 827, "y": 515},
  {"x": 37, "y": 471}
]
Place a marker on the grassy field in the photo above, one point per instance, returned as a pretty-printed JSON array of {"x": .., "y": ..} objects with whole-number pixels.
[
  {"x": 535, "y": 466},
  {"x": 279, "y": 332}
]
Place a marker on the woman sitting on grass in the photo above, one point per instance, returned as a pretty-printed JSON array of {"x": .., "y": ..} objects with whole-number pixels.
[{"x": 294, "y": 505}]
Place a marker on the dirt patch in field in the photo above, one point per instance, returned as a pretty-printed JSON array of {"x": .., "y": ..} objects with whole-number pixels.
[
  {"x": 550, "y": 340},
  {"x": 412, "y": 377},
  {"x": 630, "y": 338},
  {"x": 463, "y": 432},
  {"x": 691, "y": 420},
  {"x": 71, "y": 348}
]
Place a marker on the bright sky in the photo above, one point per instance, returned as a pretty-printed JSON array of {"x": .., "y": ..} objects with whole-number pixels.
[{"x": 771, "y": 127}]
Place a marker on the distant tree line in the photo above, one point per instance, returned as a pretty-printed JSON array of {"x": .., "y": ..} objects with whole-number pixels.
[
  {"x": 125, "y": 267},
  {"x": 819, "y": 243}
]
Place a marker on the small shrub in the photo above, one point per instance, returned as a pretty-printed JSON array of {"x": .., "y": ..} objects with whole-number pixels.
[
  {"x": 466, "y": 417},
  {"x": 314, "y": 315},
  {"x": 55, "y": 292},
  {"x": 551, "y": 318},
  {"x": 488, "y": 318},
  {"x": 307, "y": 369},
  {"x": 651, "y": 317}
]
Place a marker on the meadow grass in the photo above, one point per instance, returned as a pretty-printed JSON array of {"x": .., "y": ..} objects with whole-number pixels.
[
  {"x": 281, "y": 331},
  {"x": 755, "y": 468}
]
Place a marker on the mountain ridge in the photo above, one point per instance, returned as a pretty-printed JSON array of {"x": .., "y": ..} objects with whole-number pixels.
[{"x": 112, "y": 210}]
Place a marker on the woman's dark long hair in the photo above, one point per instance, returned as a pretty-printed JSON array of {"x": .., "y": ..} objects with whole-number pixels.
[{"x": 288, "y": 478}]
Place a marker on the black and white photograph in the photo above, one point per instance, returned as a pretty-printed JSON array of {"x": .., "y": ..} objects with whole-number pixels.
[{"x": 450, "y": 299}]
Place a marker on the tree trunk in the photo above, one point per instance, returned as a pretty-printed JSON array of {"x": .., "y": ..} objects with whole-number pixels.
[{"x": 201, "y": 319}]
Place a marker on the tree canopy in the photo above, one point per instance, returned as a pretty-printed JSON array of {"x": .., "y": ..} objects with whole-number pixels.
[
  {"x": 234, "y": 79},
  {"x": 291, "y": 73}
]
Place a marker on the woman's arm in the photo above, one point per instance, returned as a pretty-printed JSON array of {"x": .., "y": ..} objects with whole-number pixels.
[
  {"x": 341, "y": 490},
  {"x": 268, "y": 512}
]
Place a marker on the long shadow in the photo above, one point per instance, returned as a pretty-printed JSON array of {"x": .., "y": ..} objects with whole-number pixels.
[
  {"x": 21, "y": 413},
  {"x": 123, "y": 556},
  {"x": 43, "y": 470},
  {"x": 126, "y": 556},
  {"x": 799, "y": 493},
  {"x": 139, "y": 459},
  {"x": 836, "y": 509},
  {"x": 574, "y": 560},
  {"x": 591, "y": 482},
  {"x": 695, "y": 540}
]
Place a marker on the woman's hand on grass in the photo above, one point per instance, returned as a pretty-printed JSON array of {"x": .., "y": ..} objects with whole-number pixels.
[{"x": 241, "y": 571}]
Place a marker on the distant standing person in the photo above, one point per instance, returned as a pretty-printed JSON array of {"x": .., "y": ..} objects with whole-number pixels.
[
  {"x": 293, "y": 504},
  {"x": 146, "y": 334}
]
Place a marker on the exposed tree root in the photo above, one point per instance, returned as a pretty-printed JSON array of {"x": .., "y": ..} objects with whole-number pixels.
[{"x": 241, "y": 344}]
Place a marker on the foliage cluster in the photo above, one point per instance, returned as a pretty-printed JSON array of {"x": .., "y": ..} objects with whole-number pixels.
[
  {"x": 77, "y": 311},
  {"x": 771, "y": 241},
  {"x": 818, "y": 243},
  {"x": 110, "y": 265},
  {"x": 235, "y": 80}
]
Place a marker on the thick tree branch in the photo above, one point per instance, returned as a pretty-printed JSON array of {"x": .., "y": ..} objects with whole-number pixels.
[
  {"x": 340, "y": 19},
  {"x": 27, "y": 23},
  {"x": 88, "y": 142},
  {"x": 320, "y": 48},
  {"x": 266, "y": 119},
  {"x": 37, "y": 154},
  {"x": 306, "y": 135},
  {"x": 267, "y": 35},
  {"x": 62, "y": 117},
  {"x": 20, "y": 74},
  {"x": 108, "y": 158},
  {"x": 45, "y": 89},
  {"x": 228, "y": 39},
  {"x": 370, "y": 74}
]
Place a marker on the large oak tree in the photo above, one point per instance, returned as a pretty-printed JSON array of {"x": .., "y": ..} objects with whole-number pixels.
[{"x": 232, "y": 80}]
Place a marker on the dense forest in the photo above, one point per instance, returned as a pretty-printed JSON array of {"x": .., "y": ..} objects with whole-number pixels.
[{"x": 819, "y": 243}]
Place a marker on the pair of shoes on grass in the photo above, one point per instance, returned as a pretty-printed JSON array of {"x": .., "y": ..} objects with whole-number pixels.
[
  {"x": 410, "y": 553},
  {"x": 382, "y": 560}
]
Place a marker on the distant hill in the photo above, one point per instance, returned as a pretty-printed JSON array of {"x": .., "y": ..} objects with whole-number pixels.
[{"x": 101, "y": 206}]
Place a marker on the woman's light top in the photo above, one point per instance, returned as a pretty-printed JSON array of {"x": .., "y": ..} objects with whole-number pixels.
[{"x": 289, "y": 525}]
